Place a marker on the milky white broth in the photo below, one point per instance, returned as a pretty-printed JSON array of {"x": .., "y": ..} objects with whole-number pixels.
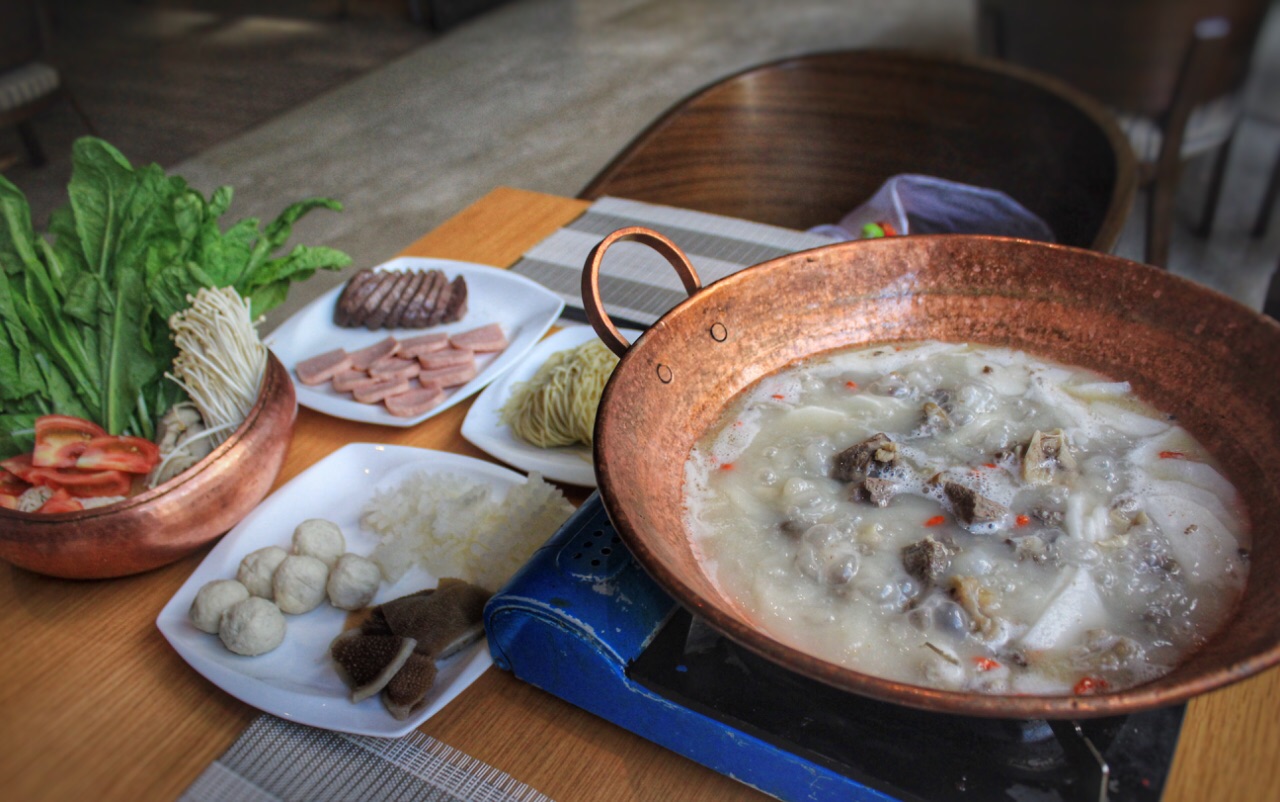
[{"x": 953, "y": 551}]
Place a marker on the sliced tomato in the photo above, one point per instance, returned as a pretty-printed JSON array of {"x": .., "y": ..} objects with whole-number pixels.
[
  {"x": 60, "y": 501},
  {"x": 123, "y": 453},
  {"x": 59, "y": 437},
  {"x": 84, "y": 484},
  {"x": 19, "y": 466},
  {"x": 8, "y": 501}
]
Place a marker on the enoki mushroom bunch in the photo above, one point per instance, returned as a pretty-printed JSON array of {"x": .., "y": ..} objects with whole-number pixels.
[{"x": 221, "y": 360}]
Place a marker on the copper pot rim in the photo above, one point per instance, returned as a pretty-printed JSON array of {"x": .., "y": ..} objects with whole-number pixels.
[
  {"x": 272, "y": 377},
  {"x": 1156, "y": 693}
]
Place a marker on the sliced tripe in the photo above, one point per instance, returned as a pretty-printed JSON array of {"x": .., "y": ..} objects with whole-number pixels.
[{"x": 367, "y": 662}]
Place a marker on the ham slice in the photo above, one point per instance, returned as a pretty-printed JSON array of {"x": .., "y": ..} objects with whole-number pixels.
[
  {"x": 394, "y": 367},
  {"x": 483, "y": 340},
  {"x": 415, "y": 347},
  {"x": 362, "y": 359},
  {"x": 414, "y": 401},
  {"x": 448, "y": 358},
  {"x": 450, "y": 376},
  {"x": 323, "y": 367},
  {"x": 349, "y": 380},
  {"x": 379, "y": 390}
]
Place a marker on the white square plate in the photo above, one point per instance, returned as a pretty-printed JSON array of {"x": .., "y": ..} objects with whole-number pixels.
[
  {"x": 523, "y": 307},
  {"x": 297, "y": 681}
]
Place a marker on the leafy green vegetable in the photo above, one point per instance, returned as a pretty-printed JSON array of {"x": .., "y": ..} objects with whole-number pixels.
[{"x": 84, "y": 311}]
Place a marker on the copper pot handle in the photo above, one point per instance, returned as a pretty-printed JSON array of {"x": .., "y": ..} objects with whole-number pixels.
[{"x": 594, "y": 306}]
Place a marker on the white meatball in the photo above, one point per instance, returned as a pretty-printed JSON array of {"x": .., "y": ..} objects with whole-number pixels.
[
  {"x": 299, "y": 583},
  {"x": 253, "y": 626},
  {"x": 353, "y": 581},
  {"x": 212, "y": 600},
  {"x": 320, "y": 539},
  {"x": 257, "y": 569}
]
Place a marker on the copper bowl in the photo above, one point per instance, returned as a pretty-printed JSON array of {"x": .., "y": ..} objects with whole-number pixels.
[
  {"x": 168, "y": 522},
  {"x": 1186, "y": 349}
]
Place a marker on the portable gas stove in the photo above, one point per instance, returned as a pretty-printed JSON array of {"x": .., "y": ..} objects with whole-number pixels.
[{"x": 583, "y": 621}]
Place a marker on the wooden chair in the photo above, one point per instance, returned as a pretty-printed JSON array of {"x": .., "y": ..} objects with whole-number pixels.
[
  {"x": 28, "y": 82},
  {"x": 1171, "y": 70},
  {"x": 803, "y": 141}
]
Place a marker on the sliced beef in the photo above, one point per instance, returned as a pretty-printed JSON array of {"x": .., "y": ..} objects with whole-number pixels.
[
  {"x": 457, "y": 306},
  {"x": 385, "y": 280},
  {"x": 352, "y": 295},
  {"x": 378, "y": 317},
  {"x": 404, "y": 298},
  {"x": 422, "y": 314}
]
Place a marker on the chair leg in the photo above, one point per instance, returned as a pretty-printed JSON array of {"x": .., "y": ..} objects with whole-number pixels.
[
  {"x": 1210, "y": 208},
  {"x": 1160, "y": 203},
  {"x": 1268, "y": 202},
  {"x": 31, "y": 144}
]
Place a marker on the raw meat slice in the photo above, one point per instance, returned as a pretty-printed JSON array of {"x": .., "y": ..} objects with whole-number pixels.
[
  {"x": 362, "y": 359},
  {"x": 380, "y": 390},
  {"x": 482, "y": 340},
  {"x": 414, "y": 401},
  {"x": 414, "y": 347},
  {"x": 323, "y": 367},
  {"x": 447, "y": 358},
  {"x": 451, "y": 376}
]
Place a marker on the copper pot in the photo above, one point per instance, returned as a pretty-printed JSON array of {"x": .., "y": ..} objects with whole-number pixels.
[
  {"x": 1186, "y": 349},
  {"x": 165, "y": 523}
]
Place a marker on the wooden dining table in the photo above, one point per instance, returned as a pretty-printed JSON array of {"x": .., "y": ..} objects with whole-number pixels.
[{"x": 95, "y": 705}]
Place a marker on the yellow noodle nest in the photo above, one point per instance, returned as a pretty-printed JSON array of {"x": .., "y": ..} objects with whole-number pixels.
[{"x": 557, "y": 407}]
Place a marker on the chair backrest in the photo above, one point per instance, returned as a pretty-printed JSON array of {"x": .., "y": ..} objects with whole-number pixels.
[
  {"x": 803, "y": 141},
  {"x": 1126, "y": 53}
]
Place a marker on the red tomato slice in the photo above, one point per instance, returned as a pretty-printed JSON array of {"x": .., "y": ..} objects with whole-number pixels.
[
  {"x": 20, "y": 466},
  {"x": 129, "y": 454},
  {"x": 84, "y": 484},
  {"x": 60, "y": 501},
  {"x": 57, "y": 438}
]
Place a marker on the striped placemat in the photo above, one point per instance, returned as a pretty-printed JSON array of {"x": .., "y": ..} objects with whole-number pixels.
[
  {"x": 278, "y": 761},
  {"x": 636, "y": 284}
]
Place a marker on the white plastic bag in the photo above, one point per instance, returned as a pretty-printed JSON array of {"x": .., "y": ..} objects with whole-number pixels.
[{"x": 921, "y": 204}]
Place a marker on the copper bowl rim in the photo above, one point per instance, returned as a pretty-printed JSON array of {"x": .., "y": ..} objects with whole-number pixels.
[
  {"x": 271, "y": 377},
  {"x": 1128, "y": 700}
]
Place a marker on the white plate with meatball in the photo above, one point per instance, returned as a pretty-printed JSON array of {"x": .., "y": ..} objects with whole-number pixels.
[
  {"x": 523, "y": 308},
  {"x": 297, "y": 680}
]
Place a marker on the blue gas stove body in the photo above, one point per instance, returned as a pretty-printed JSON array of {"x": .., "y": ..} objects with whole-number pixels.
[{"x": 578, "y": 615}]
